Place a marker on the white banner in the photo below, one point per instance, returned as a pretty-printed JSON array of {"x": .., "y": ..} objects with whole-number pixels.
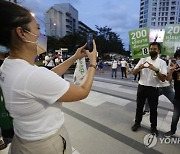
[{"x": 80, "y": 70}]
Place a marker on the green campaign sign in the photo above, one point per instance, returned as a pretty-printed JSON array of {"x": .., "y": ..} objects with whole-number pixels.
[
  {"x": 171, "y": 40},
  {"x": 139, "y": 42}
]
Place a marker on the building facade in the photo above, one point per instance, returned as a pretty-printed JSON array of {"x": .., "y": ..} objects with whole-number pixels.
[
  {"x": 157, "y": 13},
  {"x": 84, "y": 29},
  {"x": 62, "y": 19}
]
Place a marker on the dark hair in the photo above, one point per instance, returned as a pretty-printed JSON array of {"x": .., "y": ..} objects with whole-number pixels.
[
  {"x": 12, "y": 16},
  {"x": 177, "y": 53},
  {"x": 156, "y": 43}
]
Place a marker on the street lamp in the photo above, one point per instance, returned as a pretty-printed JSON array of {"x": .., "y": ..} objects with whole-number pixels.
[{"x": 54, "y": 29}]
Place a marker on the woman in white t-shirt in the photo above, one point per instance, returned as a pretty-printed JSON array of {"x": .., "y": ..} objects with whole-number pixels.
[{"x": 34, "y": 95}]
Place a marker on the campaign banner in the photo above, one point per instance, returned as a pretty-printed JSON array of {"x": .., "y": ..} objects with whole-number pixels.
[
  {"x": 171, "y": 40},
  {"x": 139, "y": 42}
]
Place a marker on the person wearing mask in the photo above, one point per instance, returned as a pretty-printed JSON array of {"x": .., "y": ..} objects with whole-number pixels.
[
  {"x": 174, "y": 74},
  {"x": 165, "y": 89},
  {"x": 114, "y": 67},
  {"x": 123, "y": 64},
  {"x": 49, "y": 61},
  {"x": 58, "y": 61},
  {"x": 153, "y": 70},
  {"x": 34, "y": 95}
]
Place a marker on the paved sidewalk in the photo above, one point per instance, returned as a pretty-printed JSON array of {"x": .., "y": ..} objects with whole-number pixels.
[{"x": 101, "y": 123}]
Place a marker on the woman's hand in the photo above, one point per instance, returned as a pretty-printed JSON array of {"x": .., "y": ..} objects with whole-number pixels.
[{"x": 80, "y": 53}]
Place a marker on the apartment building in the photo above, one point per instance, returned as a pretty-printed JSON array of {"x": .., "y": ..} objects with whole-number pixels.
[
  {"x": 157, "y": 13},
  {"x": 62, "y": 19}
]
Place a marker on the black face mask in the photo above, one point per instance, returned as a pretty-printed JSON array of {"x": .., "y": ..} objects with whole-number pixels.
[{"x": 153, "y": 54}]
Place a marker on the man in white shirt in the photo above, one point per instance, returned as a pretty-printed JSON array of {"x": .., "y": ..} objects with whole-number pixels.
[
  {"x": 49, "y": 61},
  {"x": 114, "y": 67},
  {"x": 123, "y": 68},
  {"x": 153, "y": 70}
]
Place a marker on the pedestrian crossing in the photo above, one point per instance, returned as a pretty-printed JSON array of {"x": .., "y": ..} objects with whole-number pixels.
[{"x": 96, "y": 98}]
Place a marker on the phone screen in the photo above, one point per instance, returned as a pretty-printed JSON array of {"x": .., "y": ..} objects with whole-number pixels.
[{"x": 90, "y": 42}]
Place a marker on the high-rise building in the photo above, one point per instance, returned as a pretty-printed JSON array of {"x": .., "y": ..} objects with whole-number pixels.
[
  {"x": 61, "y": 19},
  {"x": 157, "y": 13}
]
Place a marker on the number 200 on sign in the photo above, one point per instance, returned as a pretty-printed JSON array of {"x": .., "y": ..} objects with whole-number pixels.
[
  {"x": 173, "y": 30},
  {"x": 139, "y": 34}
]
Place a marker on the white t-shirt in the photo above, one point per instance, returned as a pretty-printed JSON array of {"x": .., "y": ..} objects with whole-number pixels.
[
  {"x": 123, "y": 63},
  {"x": 51, "y": 63},
  {"x": 149, "y": 77},
  {"x": 58, "y": 60},
  {"x": 114, "y": 64},
  {"x": 163, "y": 84},
  {"x": 30, "y": 94}
]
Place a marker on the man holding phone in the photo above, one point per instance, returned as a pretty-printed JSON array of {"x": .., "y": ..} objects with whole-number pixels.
[{"x": 153, "y": 70}]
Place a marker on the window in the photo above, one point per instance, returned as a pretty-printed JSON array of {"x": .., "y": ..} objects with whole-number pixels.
[
  {"x": 173, "y": 3},
  {"x": 171, "y": 18},
  {"x": 153, "y": 24},
  {"x": 172, "y": 13},
  {"x": 154, "y": 14}
]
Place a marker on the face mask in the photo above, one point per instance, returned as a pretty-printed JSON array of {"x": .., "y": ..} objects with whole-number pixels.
[
  {"x": 41, "y": 42},
  {"x": 3, "y": 49},
  {"x": 178, "y": 62},
  {"x": 153, "y": 54}
]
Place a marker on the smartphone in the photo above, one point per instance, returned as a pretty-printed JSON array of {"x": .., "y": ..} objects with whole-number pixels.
[{"x": 90, "y": 42}]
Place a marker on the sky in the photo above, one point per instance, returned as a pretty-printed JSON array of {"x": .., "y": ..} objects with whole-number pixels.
[{"x": 119, "y": 15}]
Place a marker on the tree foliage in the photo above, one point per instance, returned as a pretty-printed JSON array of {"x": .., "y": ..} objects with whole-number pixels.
[{"x": 106, "y": 41}]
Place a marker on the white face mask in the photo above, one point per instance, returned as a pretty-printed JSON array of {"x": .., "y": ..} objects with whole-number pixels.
[{"x": 41, "y": 42}]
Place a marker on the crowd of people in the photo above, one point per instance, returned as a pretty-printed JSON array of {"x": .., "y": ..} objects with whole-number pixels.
[{"x": 34, "y": 95}]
